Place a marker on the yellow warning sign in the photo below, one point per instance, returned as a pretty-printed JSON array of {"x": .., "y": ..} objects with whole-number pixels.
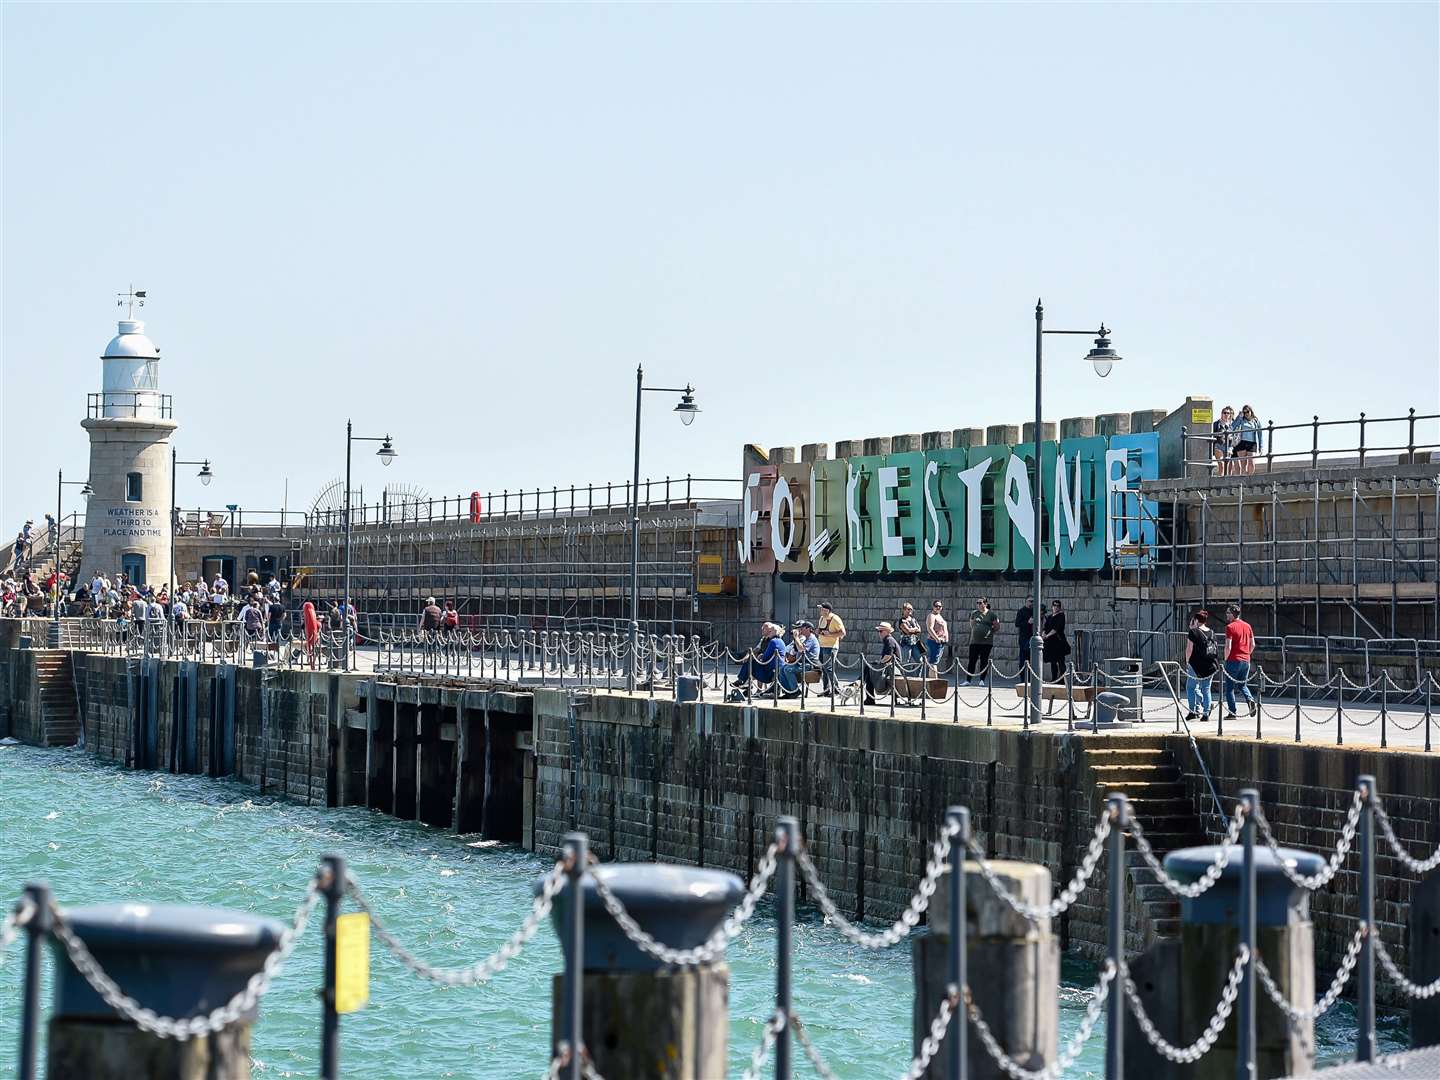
[
  {"x": 352, "y": 961},
  {"x": 1202, "y": 416}
]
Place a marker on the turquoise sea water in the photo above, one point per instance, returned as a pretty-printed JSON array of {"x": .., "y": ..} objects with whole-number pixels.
[{"x": 99, "y": 833}]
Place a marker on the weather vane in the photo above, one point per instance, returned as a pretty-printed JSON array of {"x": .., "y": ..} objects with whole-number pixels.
[{"x": 133, "y": 298}]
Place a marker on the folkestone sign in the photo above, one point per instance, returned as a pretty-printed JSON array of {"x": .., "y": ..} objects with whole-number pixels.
[{"x": 966, "y": 510}]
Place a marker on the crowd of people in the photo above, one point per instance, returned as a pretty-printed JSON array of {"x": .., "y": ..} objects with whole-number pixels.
[
  {"x": 908, "y": 645},
  {"x": 1237, "y": 439}
]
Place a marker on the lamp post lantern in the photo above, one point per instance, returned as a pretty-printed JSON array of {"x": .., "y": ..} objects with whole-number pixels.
[
  {"x": 386, "y": 454},
  {"x": 53, "y": 633},
  {"x": 687, "y": 410},
  {"x": 205, "y": 476},
  {"x": 1103, "y": 358}
]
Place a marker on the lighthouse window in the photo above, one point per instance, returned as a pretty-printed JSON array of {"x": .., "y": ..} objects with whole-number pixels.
[{"x": 133, "y": 489}]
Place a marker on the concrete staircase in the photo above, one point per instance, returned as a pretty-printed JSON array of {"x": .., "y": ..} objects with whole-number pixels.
[
  {"x": 59, "y": 716},
  {"x": 1159, "y": 799}
]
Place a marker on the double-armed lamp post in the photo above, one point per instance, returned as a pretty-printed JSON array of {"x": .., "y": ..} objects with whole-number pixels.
[
  {"x": 85, "y": 490},
  {"x": 205, "y": 476},
  {"x": 687, "y": 410},
  {"x": 386, "y": 454},
  {"x": 1103, "y": 358}
]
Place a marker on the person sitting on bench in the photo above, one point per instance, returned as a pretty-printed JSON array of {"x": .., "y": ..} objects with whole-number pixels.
[
  {"x": 802, "y": 657},
  {"x": 879, "y": 679},
  {"x": 761, "y": 666}
]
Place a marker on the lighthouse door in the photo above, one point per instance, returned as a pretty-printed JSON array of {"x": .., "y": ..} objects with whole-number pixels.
[{"x": 133, "y": 567}]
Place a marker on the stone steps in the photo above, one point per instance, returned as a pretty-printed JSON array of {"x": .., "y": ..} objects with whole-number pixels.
[
  {"x": 1160, "y": 801},
  {"x": 59, "y": 716}
]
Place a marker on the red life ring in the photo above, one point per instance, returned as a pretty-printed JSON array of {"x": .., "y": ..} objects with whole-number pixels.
[{"x": 476, "y": 508}]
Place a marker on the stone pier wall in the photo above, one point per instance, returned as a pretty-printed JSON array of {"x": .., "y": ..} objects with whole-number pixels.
[
  {"x": 703, "y": 783},
  {"x": 282, "y": 720}
]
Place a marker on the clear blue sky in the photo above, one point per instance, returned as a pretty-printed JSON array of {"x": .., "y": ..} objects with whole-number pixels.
[{"x": 466, "y": 224}]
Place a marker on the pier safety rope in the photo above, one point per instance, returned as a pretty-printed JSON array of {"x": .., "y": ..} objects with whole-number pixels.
[{"x": 23, "y": 913}]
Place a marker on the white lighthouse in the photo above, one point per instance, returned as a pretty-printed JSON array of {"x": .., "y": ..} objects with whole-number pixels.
[{"x": 127, "y": 522}]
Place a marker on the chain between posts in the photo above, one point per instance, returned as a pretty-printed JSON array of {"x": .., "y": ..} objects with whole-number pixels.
[
  {"x": 768, "y": 1035},
  {"x": 1067, "y": 895},
  {"x": 822, "y": 1068},
  {"x": 1212, "y": 873},
  {"x": 481, "y": 970},
  {"x": 715, "y": 946},
  {"x": 1185, "y": 1055},
  {"x": 562, "y": 1059},
  {"x": 1066, "y": 1058},
  {"x": 1332, "y": 995},
  {"x": 1321, "y": 877},
  {"x": 1408, "y": 988},
  {"x": 16, "y": 919},
  {"x": 934, "y": 1037},
  {"x": 166, "y": 1027},
  {"x": 909, "y": 919},
  {"x": 1418, "y": 866}
]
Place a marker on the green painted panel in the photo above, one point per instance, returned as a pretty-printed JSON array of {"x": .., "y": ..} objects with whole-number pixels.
[
  {"x": 1021, "y": 555},
  {"x": 862, "y": 516},
  {"x": 908, "y": 526},
  {"x": 992, "y": 522},
  {"x": 945, "y": 534},
  {"x": 828, "y": 506},
  {"x": 1088, "y": 552}
]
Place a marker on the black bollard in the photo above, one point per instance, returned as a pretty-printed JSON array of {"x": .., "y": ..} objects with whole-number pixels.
[
  {"x": 644, "y": 1018},
  {"x": 181, "y": 962},
  {"x": 1180, "y": 983}
]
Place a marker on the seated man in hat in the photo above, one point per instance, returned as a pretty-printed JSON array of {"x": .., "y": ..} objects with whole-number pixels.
[
  {"x": 763, "y": 663},
  {"x": 803, "y": 655},
  {"x": 880, "y": 677}
]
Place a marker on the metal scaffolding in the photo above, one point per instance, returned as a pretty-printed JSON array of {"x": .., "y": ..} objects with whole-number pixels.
[
  {"x": 1312, "y": 554},
  {"x": 570, "y": 571}
]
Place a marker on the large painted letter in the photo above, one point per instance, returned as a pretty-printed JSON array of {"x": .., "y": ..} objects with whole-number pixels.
[
  {"x": 1080, "y": 522},
  {"x": 946, "y": 516},
  {"x": 1023, "y": 543},
  {"x": 863, "y": 510},
  {"x": 987, "y": 525},
  {"x": 903, "y": 545},
  {"x": 828, "y": 531}
]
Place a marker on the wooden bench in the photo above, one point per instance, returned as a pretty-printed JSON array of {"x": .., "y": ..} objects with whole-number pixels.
[
  {"x": 1058, "y": 693},
  {"x": 911, "y": 688}
]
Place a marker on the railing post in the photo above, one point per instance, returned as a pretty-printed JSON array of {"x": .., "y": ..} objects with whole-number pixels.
[
  {"x": 958, "y": 818},
  {"x": 36, "y": 931},
  {"x": 1249, "y": 908},
  {"x": 1362, "y": 451},
  {"x": 1410, "y": 451},
  {"x": 787, "y": 839},
  {"x": 1270, "y": 446},
  {"x": 1340, "y": 708},
  {"x": 334, "y": 892},
  {"x": 1384, "y": 707},
  {"x": 577, "y": 854},
  {"x": 1297, "y": 703},
  {"x": 1119, "y": 809},
  {"x": 1429, "y": 686},
  {"x": 1365, "y": 991},
  {"x": 1315, "y": 442}
]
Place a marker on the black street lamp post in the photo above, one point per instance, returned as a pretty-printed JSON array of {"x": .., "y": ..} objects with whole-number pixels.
[
  {"x": 386, "y": 454},
  {"x": 53, "y": 634},
  {"x": 1103, "y": 358},
  {"x": 205, "y": 476},
  {"x": 687, "y": 410}
]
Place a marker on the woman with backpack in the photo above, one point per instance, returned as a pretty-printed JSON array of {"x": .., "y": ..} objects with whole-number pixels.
[{"x": 1202, "y": 660}]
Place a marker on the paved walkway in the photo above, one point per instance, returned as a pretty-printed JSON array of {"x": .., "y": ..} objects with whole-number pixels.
[{"x": 1403, "y": 726}]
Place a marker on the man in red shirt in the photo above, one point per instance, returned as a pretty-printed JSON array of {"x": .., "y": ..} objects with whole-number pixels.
[{"x": 1239, "y": 645}]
